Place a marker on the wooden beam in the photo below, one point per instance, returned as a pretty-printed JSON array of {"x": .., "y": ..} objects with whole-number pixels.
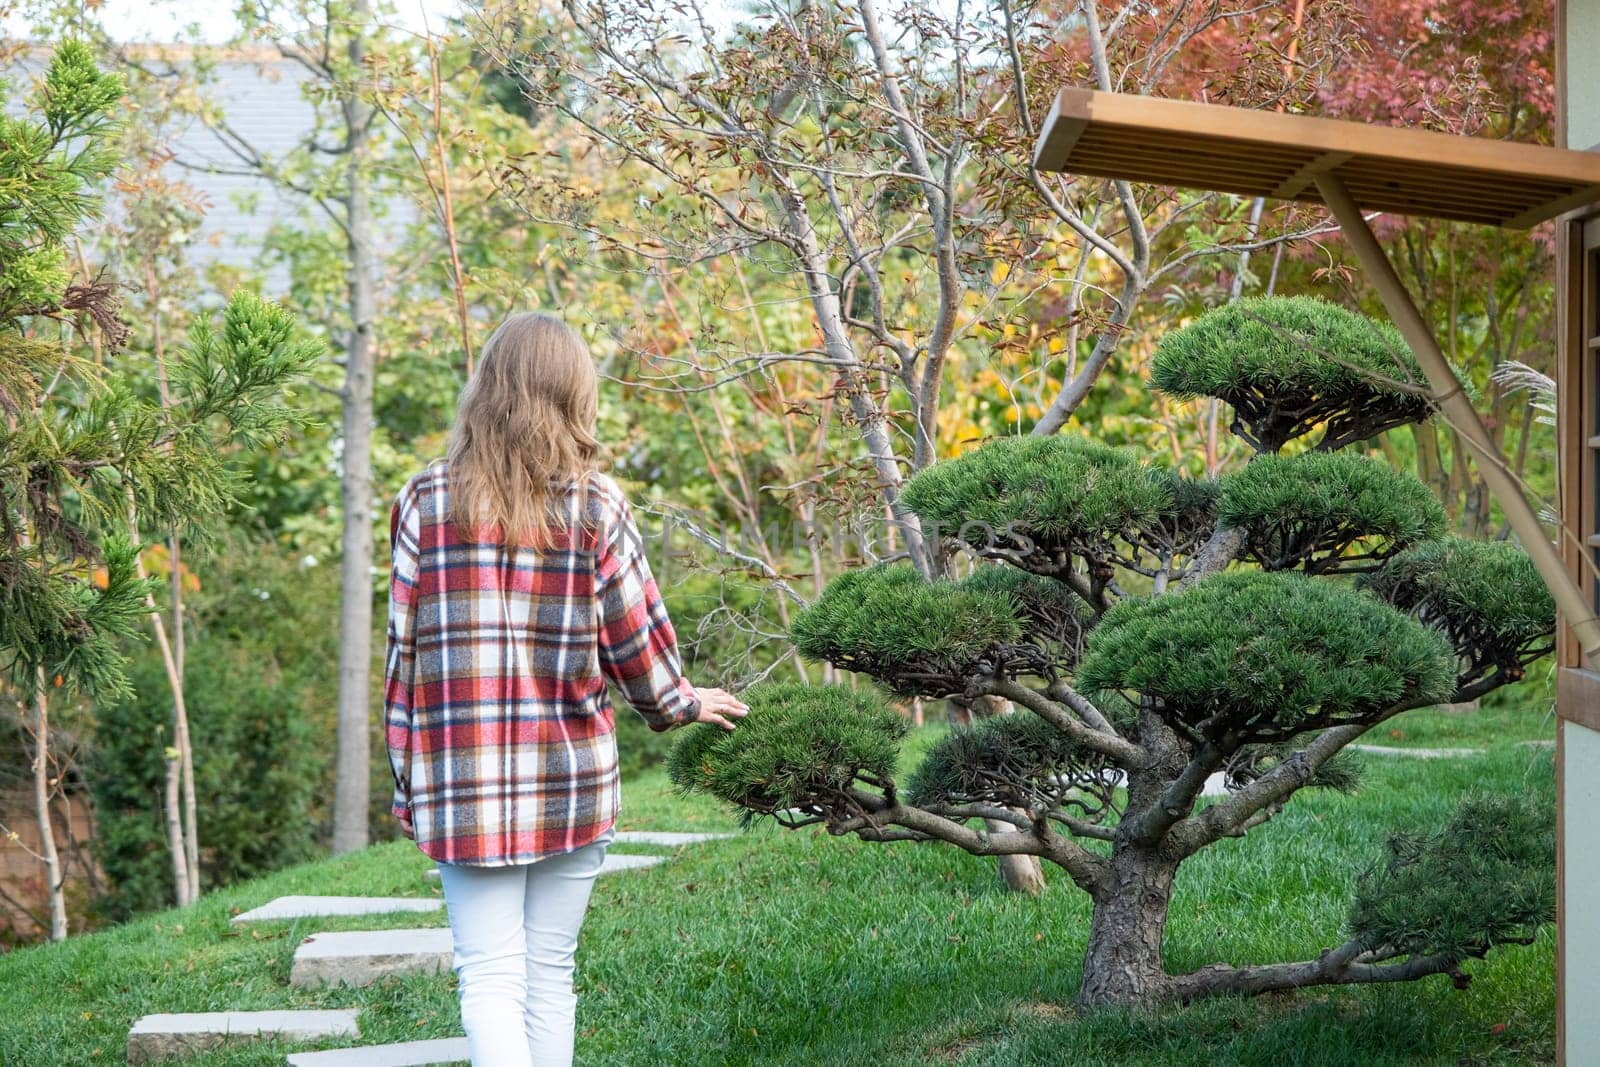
[
  {"x": 1296, "y": 183},
  {"x": 1407, "y": 171},
  {"x": 1560, "y": 205},
  {"x": 1452, "y": 400},
  {"x": 1578, "y": 696},
  {"x": 1059, "y": 133}
]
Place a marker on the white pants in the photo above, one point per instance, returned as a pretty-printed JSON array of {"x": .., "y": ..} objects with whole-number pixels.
[{"x": 515, "y": 933}]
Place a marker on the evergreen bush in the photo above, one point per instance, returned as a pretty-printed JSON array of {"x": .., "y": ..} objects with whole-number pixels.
[{"x": 1148, "y": 632}]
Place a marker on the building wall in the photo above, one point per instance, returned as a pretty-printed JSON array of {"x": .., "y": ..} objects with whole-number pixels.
[
  {"x": 1579, "y": 746},
  {"x": 261, "y": 96}
]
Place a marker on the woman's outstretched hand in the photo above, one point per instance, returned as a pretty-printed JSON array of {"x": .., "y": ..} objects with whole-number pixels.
[{"x": 720, "y": 706}]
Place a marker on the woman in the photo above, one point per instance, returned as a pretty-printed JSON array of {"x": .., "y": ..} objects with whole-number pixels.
[{"x": 519, "y": 588}]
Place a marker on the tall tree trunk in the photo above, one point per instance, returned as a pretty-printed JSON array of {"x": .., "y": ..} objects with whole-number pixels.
[
  {"x": 1122, "y": 967},
  {"x": 179, "y": 795},
  {"x": 191, "y": 831},
  {"x": 353, "y": 786},
  {"x": 54, "y": 880},
  {"x": 172, "y": 807},
  {"x": 183, "y": 835}
]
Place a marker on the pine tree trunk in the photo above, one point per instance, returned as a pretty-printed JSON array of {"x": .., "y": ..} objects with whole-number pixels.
[
  {"x": 54, "y": 882},
  {"x": 352, "y": 772},
  {"x": 1122, "y": 967}
]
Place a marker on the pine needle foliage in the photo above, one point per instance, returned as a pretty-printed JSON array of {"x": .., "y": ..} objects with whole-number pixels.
[
  {"x": 1485, "y": 596},
  {"x": 1273, "y": 654},
  {"x": 935, "y": 638},
  {"x": 51, "y": 157},
  {"x": 1038, "y": 502},
  {"x": 1342, "y": 773},
  {"x": 84, "y": 449},
  {"x": 1326, "y": 512},
  {"x": 1488, "y": 877},
  {"x": 1288, "y": 365},
  {"x": 914, "y": 635},
  {"x": 1015, "y": 760},
  {"x": 801, "y": 746},
  {"x": 1052, "y": 617}
]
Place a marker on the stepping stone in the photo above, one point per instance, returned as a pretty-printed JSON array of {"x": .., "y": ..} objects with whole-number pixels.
[
  {"x": 1536, "y": 744},
  {"x": 320, "y": 907},
  {"x": 664, "y": 837},
  {"x": 1417, "y": 753},
  {"x": 405, "y": 1054},
  {"x": 361, "y": 957},
  {"x": 629, "y": 863},
  {"x": 609, "y": 865},
  {"x": 156, "y": 1037}
]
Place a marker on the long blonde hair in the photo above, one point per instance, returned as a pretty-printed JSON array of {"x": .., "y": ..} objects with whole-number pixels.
[{"x": 524, "y": 431}]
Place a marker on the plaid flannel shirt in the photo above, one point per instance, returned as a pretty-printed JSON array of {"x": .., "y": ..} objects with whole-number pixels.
[{"x": 499, "y": 727}]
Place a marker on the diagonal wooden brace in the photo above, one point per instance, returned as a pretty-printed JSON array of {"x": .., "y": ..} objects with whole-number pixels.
[{"x": 1571, "y": 603}]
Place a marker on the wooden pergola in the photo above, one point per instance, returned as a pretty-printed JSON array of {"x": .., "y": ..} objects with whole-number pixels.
[{"x": 1353, "y": 168}]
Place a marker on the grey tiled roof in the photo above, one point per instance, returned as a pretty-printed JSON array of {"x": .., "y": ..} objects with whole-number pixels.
[{"x": 261, "y": 96}]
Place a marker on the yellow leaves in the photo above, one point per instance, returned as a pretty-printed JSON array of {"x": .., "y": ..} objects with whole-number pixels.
[
  {"x": 158, "y": 563},
  {"x": 1000, "y": 272}
]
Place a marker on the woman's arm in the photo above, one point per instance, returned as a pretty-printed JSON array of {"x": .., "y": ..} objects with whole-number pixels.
[
  {"x": 638, "y": 648},
  {"x": 401, "y": 652}
]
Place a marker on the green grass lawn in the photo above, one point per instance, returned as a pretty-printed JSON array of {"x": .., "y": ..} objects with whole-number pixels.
[{"x": 791, "y": 947}]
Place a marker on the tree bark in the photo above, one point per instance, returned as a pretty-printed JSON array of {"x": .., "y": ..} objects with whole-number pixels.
[
  {"x": 179, "y": 795},
  {"x": 54, "y": 881},
  {"x": 1122, "y": 965},
  {"x": 1021, "y": 874},
  {"x": 352, "y": 772},
  {"x": 180, "y": 737},
  {"x": 1345, "y": 965}
]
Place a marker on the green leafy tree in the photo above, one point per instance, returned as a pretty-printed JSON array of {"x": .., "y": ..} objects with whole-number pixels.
[
  {"x": 85, "y": 452},
  {"x": 1157, "y": 631}
]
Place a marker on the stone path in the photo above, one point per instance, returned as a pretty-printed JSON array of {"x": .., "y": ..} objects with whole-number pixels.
[
  {"x": 405, "y": 1054},
  {"x": 1417, "y": 753},
  {"x": 350, "y": 958},
  {"x": 664, "y": 837},
  {"x": 321, "y": 907},
  {"x": 610, "y": 865},
  {"x": 156, "y": 1037},
  {"x": 361, "y": 957}
]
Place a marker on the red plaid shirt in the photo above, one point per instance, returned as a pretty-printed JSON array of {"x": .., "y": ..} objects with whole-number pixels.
[{"x": 499, "y": 727}]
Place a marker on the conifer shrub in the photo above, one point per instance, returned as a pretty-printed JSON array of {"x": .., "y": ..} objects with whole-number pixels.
[{"x": 1146, "y": 633}]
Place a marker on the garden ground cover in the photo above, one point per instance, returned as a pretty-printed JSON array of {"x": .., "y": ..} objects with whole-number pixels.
[{"x": 792, "y": 947}]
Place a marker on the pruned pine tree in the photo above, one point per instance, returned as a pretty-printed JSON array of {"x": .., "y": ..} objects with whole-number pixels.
[
  {"x": 1156, "y": 631},
  {"x": 85, "y": 450}
]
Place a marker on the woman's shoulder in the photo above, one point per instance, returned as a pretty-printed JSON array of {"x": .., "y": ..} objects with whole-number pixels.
[
  {"x": 430, "y": 481},
  {"x": 605, "y": 487}
]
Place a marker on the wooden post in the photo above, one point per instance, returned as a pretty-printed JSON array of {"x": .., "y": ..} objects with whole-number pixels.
[{"x": 1458, "y": 410}]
